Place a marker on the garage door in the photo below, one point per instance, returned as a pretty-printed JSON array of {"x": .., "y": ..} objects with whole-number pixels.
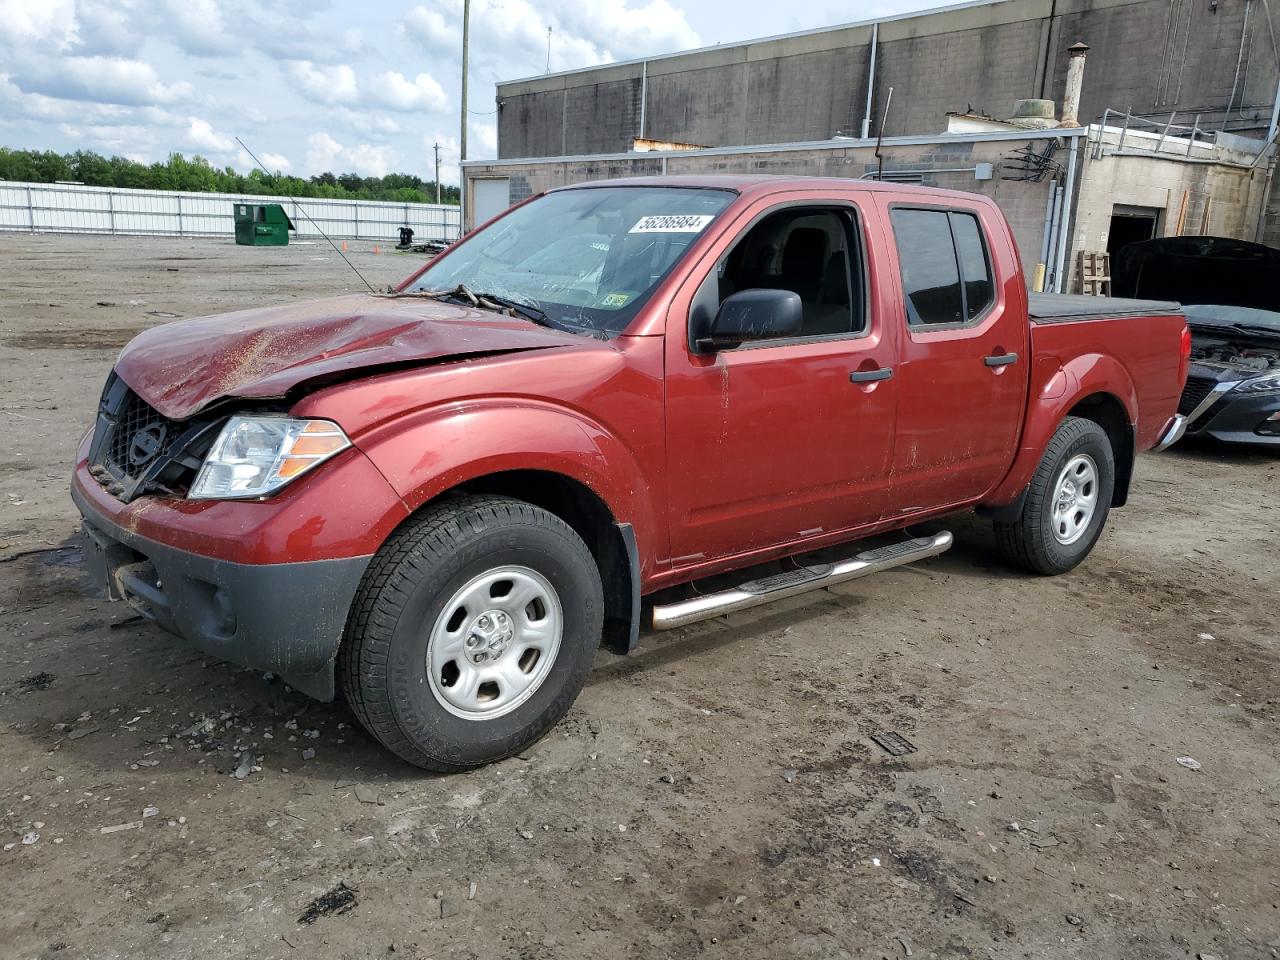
[{"x": 490, "y": 198}]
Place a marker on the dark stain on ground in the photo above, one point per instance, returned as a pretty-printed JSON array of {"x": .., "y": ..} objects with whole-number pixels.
[
  {"x": 37, "y": 681},
  {"x": 89, "y": 338},
  {"x": 341, "y": 899}
]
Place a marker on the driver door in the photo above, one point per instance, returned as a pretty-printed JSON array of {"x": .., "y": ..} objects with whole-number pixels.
[{"x": 774, "y": 441}]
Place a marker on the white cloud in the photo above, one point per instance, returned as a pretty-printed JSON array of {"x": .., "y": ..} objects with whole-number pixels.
[
  {"x": 101, "y": 80},
  {"x": 324, "y": 84},
  {"x": 396, "y": 92},
  {"x": 276, "y": 162},
  {"x": 484, "y": 140},
  {"x": 582, "y": 33},
  {"x": 326, "y": 154},
  {"x": 201, "y": 136},
  {"x": 37, "y": 21},
  {"x": 197, "y": 27}
]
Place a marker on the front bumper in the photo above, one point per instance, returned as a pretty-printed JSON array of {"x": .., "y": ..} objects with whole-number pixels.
[
  {"x": 287, "y": 618},
  {"x": 1240, "y": 418}
]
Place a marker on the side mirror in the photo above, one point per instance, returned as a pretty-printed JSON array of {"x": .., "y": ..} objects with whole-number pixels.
[{"x": 758, "y": 314}]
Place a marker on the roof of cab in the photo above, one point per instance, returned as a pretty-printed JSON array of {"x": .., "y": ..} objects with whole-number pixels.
[{"x": 763, "y": 184}]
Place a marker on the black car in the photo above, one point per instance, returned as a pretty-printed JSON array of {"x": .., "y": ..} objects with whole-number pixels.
[{"x": 1233, "y": 390}]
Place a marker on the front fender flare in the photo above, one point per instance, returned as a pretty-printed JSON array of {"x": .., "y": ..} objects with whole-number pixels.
[{"x": 439, "y": 448}]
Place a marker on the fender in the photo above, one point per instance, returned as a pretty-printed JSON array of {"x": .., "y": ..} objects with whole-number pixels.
[
  {"x": 1055, "y": 390},
  {"x": 438, "y": 448}
]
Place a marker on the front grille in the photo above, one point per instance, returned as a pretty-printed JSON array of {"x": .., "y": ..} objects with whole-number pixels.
[
  {"x": 138, "y": 450},
  {"x": 1194, "y": 392},
  {"x": 138, "y": 436}
]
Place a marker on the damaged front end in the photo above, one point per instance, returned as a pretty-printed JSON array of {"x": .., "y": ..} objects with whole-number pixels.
[
  {"x": 1233, "y": 389},
  {"x": 137, "y": 450}
]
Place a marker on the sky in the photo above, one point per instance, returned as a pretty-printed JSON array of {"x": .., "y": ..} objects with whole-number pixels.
[{"x": 314, "y": 86}]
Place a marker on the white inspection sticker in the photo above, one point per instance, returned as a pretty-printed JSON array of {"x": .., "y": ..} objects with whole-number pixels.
[{"x": 679, "y": 223}]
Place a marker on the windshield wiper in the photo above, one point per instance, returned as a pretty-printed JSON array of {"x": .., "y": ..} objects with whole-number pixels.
[{"x": 492, "y": 301}]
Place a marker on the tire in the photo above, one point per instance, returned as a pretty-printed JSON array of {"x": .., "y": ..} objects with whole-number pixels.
[
  {"x": 1050, "y": 541},
  {"x": 408, "y": 667}
]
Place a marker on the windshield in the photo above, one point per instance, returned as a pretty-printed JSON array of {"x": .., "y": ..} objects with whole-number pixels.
[{"x": 588, "y": 259}]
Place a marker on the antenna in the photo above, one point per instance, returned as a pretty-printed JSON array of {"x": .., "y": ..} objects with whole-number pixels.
[
  {"x": 880, "y": 137},
  {"x": 313, "y": 223}
]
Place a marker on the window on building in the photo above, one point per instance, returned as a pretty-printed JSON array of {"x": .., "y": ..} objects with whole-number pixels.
[{"x": 946, "y": 273}]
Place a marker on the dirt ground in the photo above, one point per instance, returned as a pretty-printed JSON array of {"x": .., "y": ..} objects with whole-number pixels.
[{"x": 715, "y": 794}]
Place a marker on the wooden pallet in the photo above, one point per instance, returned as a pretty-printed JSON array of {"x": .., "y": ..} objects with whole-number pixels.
[{"x": 1095, "y": 273}]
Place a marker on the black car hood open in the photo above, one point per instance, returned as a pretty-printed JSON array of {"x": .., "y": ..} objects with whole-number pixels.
[{"x": 1199, "y": 270}]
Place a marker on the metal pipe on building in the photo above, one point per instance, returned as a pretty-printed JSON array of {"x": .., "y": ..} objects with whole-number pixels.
[
  {"x": 871, "y": 80},
  {"x": 1244, "y": 33},
  {"x": 1075, "y": 83},
  {"x": 1037, "y": 283},
  {"x": 1064, "y": 221},
  {"x": 644, "y": 93}
]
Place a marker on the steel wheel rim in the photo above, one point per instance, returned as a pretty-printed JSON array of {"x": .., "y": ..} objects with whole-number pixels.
[
  {"x": 1075, "y": 499},
  {"x": 494, "y": 643}
]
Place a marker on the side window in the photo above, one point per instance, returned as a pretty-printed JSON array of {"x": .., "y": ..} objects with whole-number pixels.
[
  {"x": 812, "y": 252},
  {"x": 946, "y": 274},
  {"x": 979, "y": 290}
]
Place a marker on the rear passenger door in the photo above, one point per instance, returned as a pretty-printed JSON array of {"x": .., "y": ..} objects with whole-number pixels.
[{"x": 963, "y": 367}]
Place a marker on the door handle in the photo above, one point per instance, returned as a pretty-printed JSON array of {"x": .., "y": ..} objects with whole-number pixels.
[
  {"x": 1000, "y": 360},
  {"x": 871, "y": 376}
]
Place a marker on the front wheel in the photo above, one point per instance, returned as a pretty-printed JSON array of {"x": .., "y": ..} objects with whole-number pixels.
[
  {"x": 1067, "y": 501},
  {"x": 473, "y": 632}
]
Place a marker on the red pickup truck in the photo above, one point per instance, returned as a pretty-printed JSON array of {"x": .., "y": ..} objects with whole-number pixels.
[{"x": 445, "y": 498}]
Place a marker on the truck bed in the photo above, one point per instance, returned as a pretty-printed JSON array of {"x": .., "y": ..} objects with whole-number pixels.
[{"x": 1063, "y": 307}]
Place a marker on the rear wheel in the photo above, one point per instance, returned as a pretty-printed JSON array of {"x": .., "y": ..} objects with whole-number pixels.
[
  {"x": 473, "y": 632},
  {"x": 1067, "y": 501}
]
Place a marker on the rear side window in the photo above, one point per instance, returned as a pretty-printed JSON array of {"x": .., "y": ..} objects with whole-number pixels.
[{"x": 946, "y": 273}]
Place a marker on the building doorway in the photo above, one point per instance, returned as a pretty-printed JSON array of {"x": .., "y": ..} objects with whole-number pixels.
[{"x": 1132, "y": 225}]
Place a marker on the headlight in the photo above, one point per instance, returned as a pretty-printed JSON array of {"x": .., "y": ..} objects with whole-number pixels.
[
  {"x": 256, "y": 456},
  {"x": 1265, "y": 384}
]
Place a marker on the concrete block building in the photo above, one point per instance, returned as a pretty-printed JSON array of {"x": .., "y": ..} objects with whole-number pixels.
[{"x": 1166, "y": 131}]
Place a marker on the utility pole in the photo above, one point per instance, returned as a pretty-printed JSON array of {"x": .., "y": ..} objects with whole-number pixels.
[
  {"x": 437, "y": 149},
  {"x": 466, "y": 43},
  {"x": 548, "y": 49},
  {"x": 462, "y": 144}
]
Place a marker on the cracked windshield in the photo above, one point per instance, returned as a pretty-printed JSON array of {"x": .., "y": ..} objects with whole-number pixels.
[{"x": 582, "y": 260}]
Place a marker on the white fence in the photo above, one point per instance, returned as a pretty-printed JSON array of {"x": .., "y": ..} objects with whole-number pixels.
[{"x": 68, "y": 208}]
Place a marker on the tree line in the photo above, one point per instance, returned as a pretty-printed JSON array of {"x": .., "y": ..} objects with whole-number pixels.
[{"x": 199, "y": 176}]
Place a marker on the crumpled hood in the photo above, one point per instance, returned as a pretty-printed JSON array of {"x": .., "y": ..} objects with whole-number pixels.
[{"x": 180, "y": 368}]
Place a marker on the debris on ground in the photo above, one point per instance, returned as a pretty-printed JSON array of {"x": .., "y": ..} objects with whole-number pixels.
[
  {"x": 1191, "y": 763},
  {"x": 148, "y": 812},
  {"x": 80, "y": 732},
  {"x": 341, "y": 899},
  {"x": 895, "y": 744},
  {"x": 366, "y": 794},
  {"x": 309, "y": 753},
  {"x": 790, "y": 775},
  {"x": 131, "y": 825},
  {"x": 1074, "y": 920},
  {"x": 37, "y": 681},
  {"x": 471, "y": 891},
  {"x": 248, "y": 762}
]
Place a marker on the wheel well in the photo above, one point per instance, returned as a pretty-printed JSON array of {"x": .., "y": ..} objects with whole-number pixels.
[
  {"x": 589, "y": 516},
  {"x": 1109, "y": 413}
]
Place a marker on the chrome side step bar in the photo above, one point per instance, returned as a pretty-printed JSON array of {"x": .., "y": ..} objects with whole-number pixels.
[{"x": 668, "y": 616}]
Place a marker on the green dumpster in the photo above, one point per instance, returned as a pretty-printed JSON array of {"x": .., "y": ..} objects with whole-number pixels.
[{"x": 262, "y": 225}]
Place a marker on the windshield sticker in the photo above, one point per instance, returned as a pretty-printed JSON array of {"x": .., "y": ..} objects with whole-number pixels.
[
  {"x": 615, "y": 300},
  {"x": 682, "y": 223}
]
